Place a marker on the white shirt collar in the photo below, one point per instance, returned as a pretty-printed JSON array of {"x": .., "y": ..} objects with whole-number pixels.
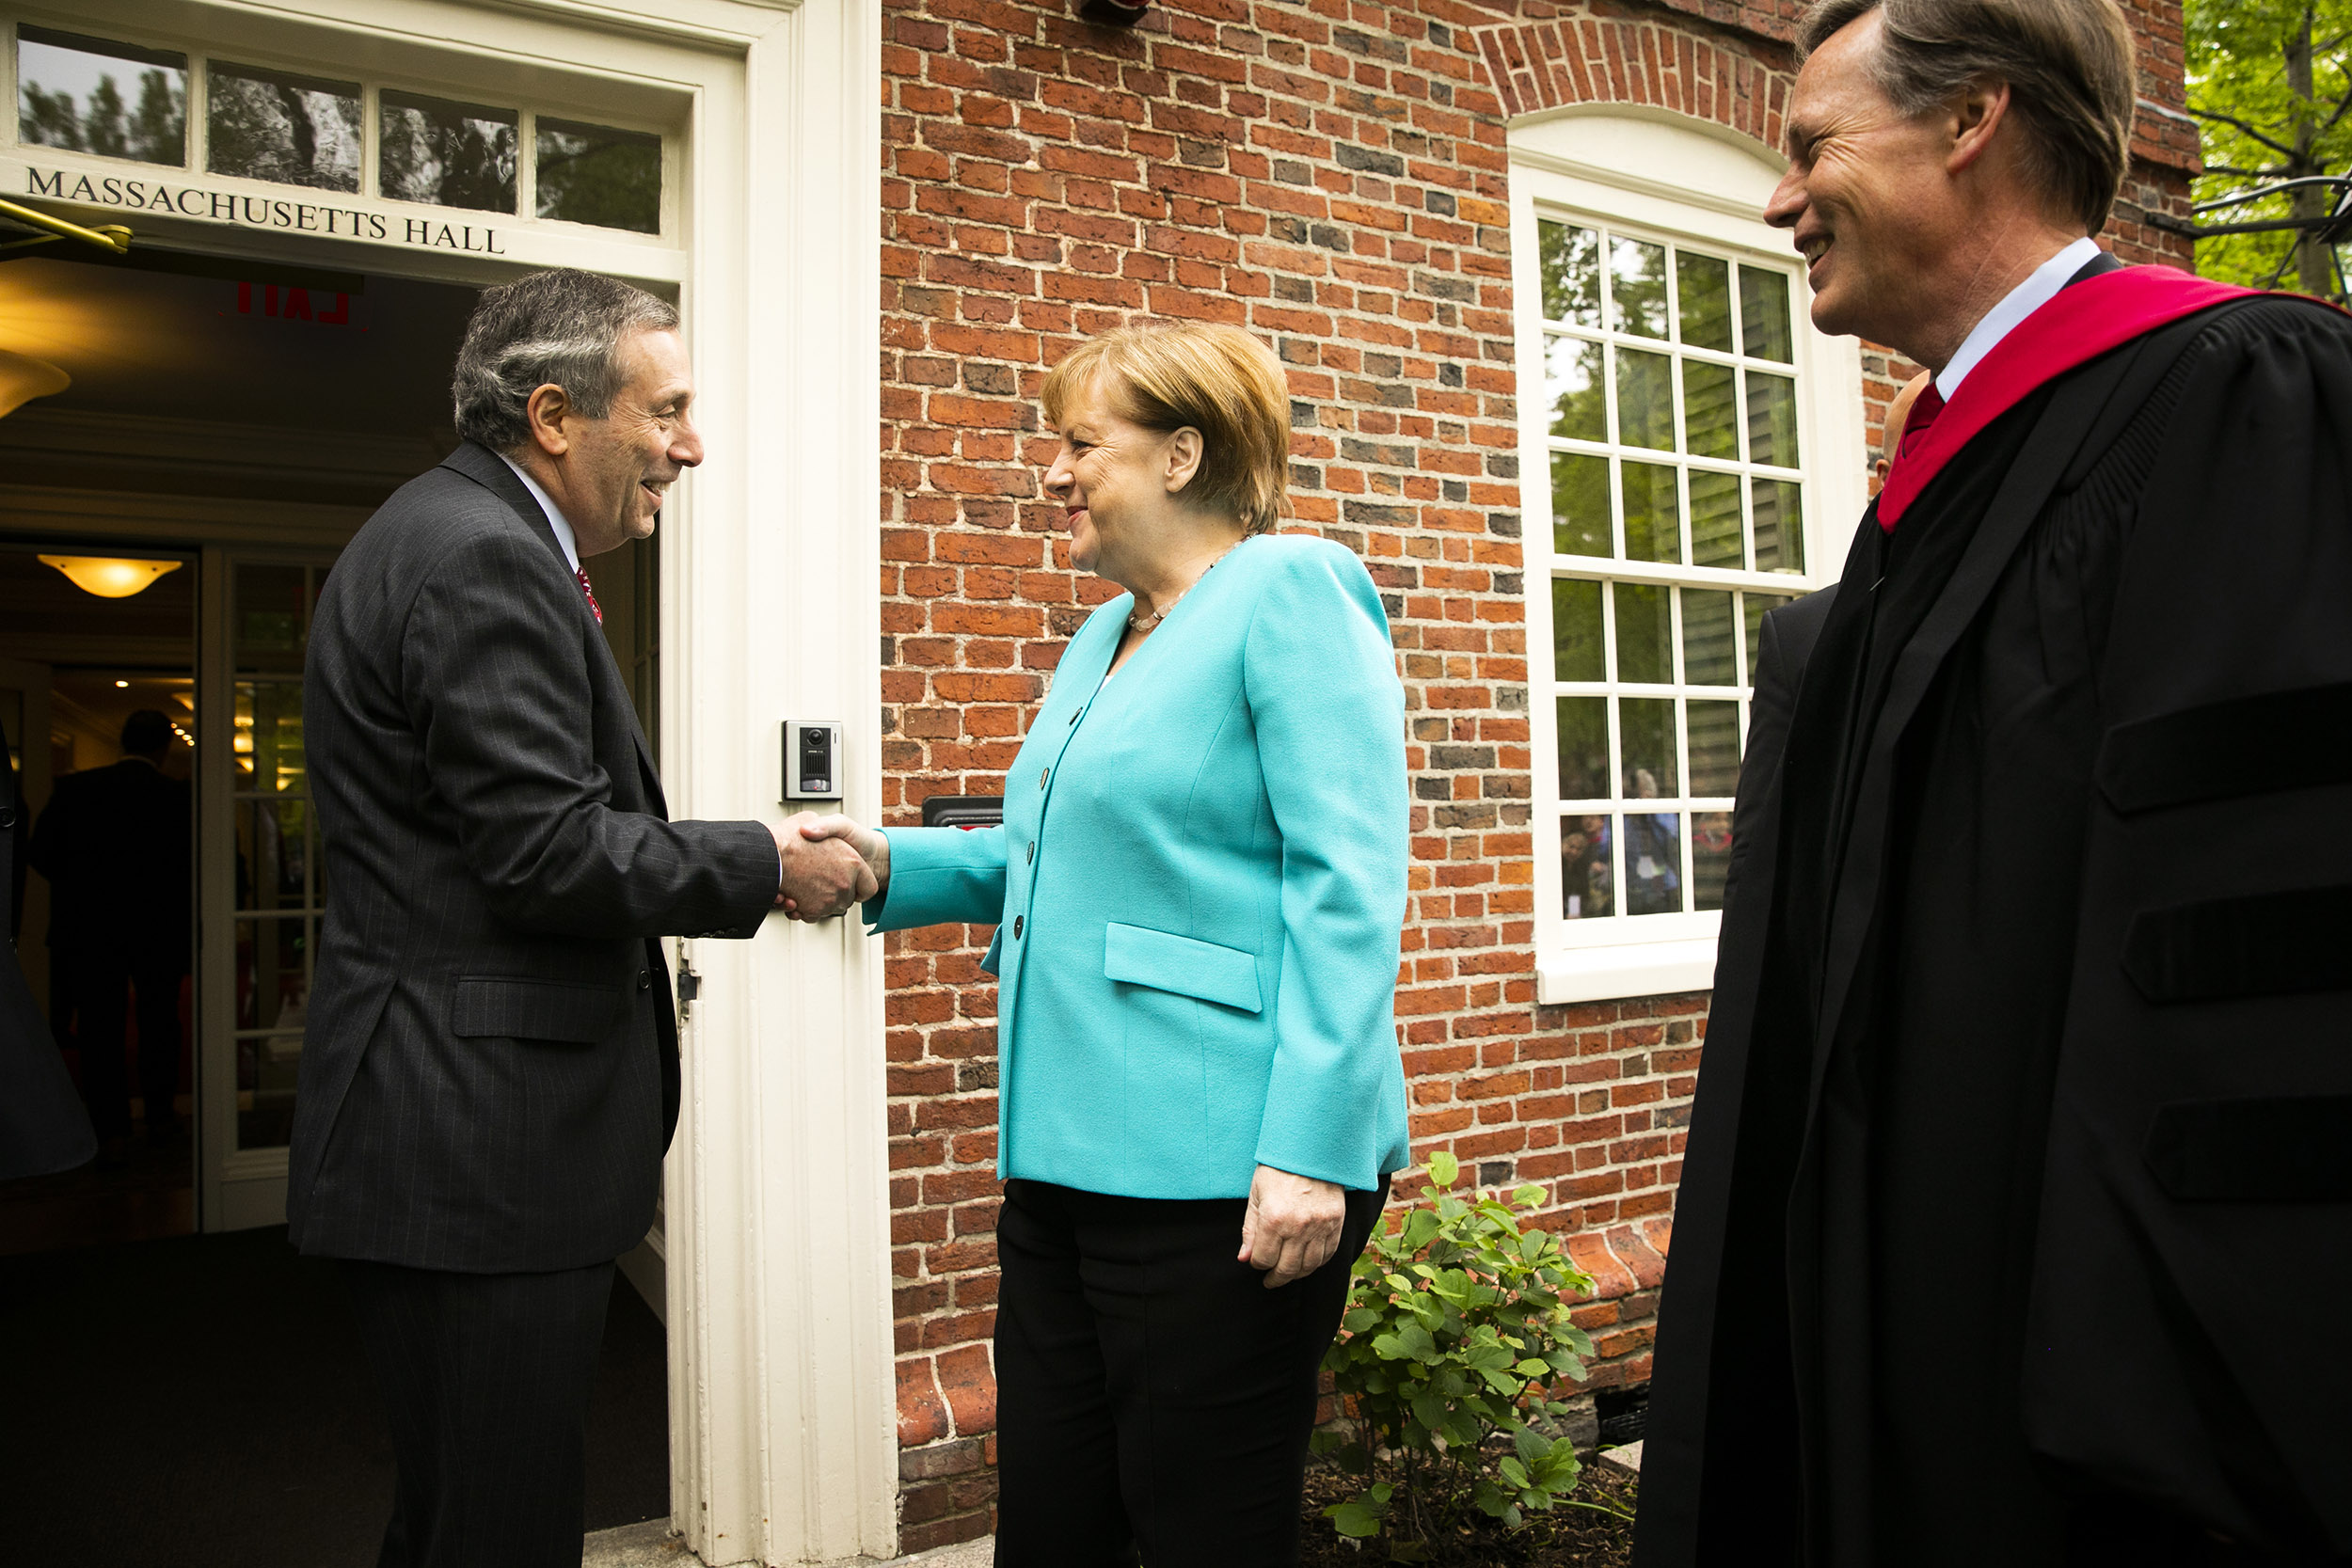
[
  {"x": 556, "y": 519},
  {"x": 2039, "y": 287}
]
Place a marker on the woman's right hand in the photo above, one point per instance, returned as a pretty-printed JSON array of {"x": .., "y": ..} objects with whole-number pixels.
[{"x": 872, "y": 847}]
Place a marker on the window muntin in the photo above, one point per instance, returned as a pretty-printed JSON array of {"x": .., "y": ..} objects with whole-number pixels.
[
  {"x": 90, "y": 95},
  {"x": 1670, "y": 408},
  {"x": 122, "y": 99},
  {"x": 1658, "y": 403}
]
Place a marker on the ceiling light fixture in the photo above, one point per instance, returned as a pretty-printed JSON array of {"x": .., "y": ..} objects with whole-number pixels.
[
  {"x": 109, "y": 577},
  {"x": 23, "y": 378}
]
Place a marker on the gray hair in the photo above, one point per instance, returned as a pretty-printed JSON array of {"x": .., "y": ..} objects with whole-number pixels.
[
  {"x": 563, "y": 328},
  {"x": 2068, "y": 65}
]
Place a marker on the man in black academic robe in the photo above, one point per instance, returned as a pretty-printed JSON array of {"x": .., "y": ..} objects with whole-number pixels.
[{"x": 2016, "y": 1221}]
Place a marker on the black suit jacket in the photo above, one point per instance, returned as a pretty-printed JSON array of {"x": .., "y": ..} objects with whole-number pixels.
[
  {"x": 115, "y": 844},
  {"x": 489, "y": 1072}
]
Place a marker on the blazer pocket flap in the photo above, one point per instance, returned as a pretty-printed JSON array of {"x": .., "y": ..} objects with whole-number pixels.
[
  {"x": 535, "y": 1010},
  {"x": 1165, "y": 961}
]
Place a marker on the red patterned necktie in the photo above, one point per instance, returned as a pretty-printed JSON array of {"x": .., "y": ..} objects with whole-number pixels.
[
  {"x": 582, "y": 574},
  {"x": 1923, "y": 412}
]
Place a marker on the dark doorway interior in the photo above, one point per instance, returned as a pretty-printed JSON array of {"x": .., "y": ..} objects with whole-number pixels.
[
  {"x": 105, "y": 943},
  {"x": 203, "y": 1401},
  {"x": 175, "y": 1399}
]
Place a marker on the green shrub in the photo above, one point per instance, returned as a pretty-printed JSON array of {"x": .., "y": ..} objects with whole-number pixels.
[{"x": 1456, "y": 1336}]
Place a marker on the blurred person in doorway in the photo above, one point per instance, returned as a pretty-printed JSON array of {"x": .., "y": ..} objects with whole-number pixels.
[
  {"x": 490, "y": 1071},
  {"x": 115, "y": 844},
  {"x": 44, "y": 1126}
]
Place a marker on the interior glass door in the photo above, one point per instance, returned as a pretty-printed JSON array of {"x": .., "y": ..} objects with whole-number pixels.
[{"x": 263, "y": 878}]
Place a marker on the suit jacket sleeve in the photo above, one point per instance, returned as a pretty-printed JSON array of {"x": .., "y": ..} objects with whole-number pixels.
[
  {"x": 1322, "y": 688},
  {"x": 494, "y": 680}
]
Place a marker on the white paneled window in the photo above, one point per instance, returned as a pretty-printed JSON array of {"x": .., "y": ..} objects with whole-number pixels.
[{"x": 1680, "y": 424}]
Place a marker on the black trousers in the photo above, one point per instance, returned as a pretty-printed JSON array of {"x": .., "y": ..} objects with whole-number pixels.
[
  {"x": 485, "y": 1380},
  {"x": 100, "y": 984},
  {"x": 1152, "y": 1393}
]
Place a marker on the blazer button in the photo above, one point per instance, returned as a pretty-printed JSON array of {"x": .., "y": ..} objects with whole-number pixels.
[
  {"x": 1016, "y": 927},
  {"x": 1031, "y": 856},
  {"x": 1073, "y": 718},
  {"x": 644, "y": 980},
  {"x": 1042, "y": 774}
]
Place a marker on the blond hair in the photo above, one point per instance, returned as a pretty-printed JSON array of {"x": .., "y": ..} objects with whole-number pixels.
[{"x": 1220, "y": 381}]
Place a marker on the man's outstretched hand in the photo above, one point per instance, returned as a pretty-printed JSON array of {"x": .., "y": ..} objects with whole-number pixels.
[
  {"x": 872, "y": 848},
  {"x": 823, "y": 874}
]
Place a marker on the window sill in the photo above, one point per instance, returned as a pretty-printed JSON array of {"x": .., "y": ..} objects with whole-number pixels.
[{"x": 1624, "y": 970}]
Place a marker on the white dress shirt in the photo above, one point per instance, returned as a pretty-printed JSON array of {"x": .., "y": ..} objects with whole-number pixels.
[
  {"x": 2040, "y": 287},
  {"x": 556, "y": 519}
]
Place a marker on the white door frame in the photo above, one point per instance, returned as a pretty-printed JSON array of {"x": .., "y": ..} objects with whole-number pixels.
[{"x": 783, "y": 1404}]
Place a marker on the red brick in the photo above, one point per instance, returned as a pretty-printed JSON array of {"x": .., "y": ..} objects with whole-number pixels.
[{"x": 1045, "y": 181}]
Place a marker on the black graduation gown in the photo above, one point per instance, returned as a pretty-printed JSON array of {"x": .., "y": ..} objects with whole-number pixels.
[{"x": 2015, "y": 1225}]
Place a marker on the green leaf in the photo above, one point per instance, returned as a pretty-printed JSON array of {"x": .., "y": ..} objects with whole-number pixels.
[
  {"x": 1356, "y": 1518},
  {"x": 1527, "y": 1197},
  {"x": 1443, "y": 1168}
]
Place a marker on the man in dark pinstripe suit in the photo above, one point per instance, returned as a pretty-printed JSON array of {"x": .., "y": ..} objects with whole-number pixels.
[{"x": 490, "y": 1073}]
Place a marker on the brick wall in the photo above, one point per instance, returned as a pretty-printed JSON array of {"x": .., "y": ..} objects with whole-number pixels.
[{"x": 1331, "y": 175}]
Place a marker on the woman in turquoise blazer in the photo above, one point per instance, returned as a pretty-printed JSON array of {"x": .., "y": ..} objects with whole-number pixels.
[{"x": 1198, "y": 886}]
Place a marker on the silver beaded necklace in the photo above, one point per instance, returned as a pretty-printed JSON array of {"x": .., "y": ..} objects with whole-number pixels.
[{"x": 1148, "y": 622}]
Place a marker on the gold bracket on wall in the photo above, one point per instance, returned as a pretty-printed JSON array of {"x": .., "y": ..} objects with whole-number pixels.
[{"x": 111, "y": 237}]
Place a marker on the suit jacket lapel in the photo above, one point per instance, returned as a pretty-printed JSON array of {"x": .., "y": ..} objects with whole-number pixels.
[{"x": 490, "y": 470}]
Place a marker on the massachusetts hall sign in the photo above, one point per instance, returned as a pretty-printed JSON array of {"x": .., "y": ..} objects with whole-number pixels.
[{"x": 276, "y": 213}]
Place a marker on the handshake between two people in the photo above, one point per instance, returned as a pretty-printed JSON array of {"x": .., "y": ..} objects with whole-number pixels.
[
  {"x": 827, "y": 863},
  {"x": 1292, "y": 1224}
]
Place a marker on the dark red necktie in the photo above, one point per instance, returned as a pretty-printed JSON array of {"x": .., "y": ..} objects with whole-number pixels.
[
  {"x": 583, "y": 575},
  {"x": 1923, "y": 412}
]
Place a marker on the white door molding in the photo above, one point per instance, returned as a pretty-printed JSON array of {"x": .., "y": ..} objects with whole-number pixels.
[
  {"x": 778, "y": 1216},
  {"x": 783, "y": 1409}
]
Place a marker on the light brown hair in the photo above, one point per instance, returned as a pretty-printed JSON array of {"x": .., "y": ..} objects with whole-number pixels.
[
  {"x": 1220, "y": 381},
  {"x": 2068, "y": 64}
]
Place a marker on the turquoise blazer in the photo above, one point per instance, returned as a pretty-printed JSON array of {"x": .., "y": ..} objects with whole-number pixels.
[{"x": 1199, "y": 884}]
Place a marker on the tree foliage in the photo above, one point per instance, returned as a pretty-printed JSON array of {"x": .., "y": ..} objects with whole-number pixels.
[
  {"x": 154, "y": 131},
  {"x": 2270, "y": 85}
]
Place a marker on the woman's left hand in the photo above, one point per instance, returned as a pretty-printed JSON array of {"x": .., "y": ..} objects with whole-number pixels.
[{"x": 1293, "y": 1226}]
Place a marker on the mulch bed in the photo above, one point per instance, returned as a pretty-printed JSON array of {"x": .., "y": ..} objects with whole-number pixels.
[{"x": 1569, "y": 1537}]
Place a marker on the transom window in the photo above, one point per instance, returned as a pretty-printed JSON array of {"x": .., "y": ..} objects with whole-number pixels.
[
  {"x": 159, "y": 107},
  {"x": 1671, "y": 399}
]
